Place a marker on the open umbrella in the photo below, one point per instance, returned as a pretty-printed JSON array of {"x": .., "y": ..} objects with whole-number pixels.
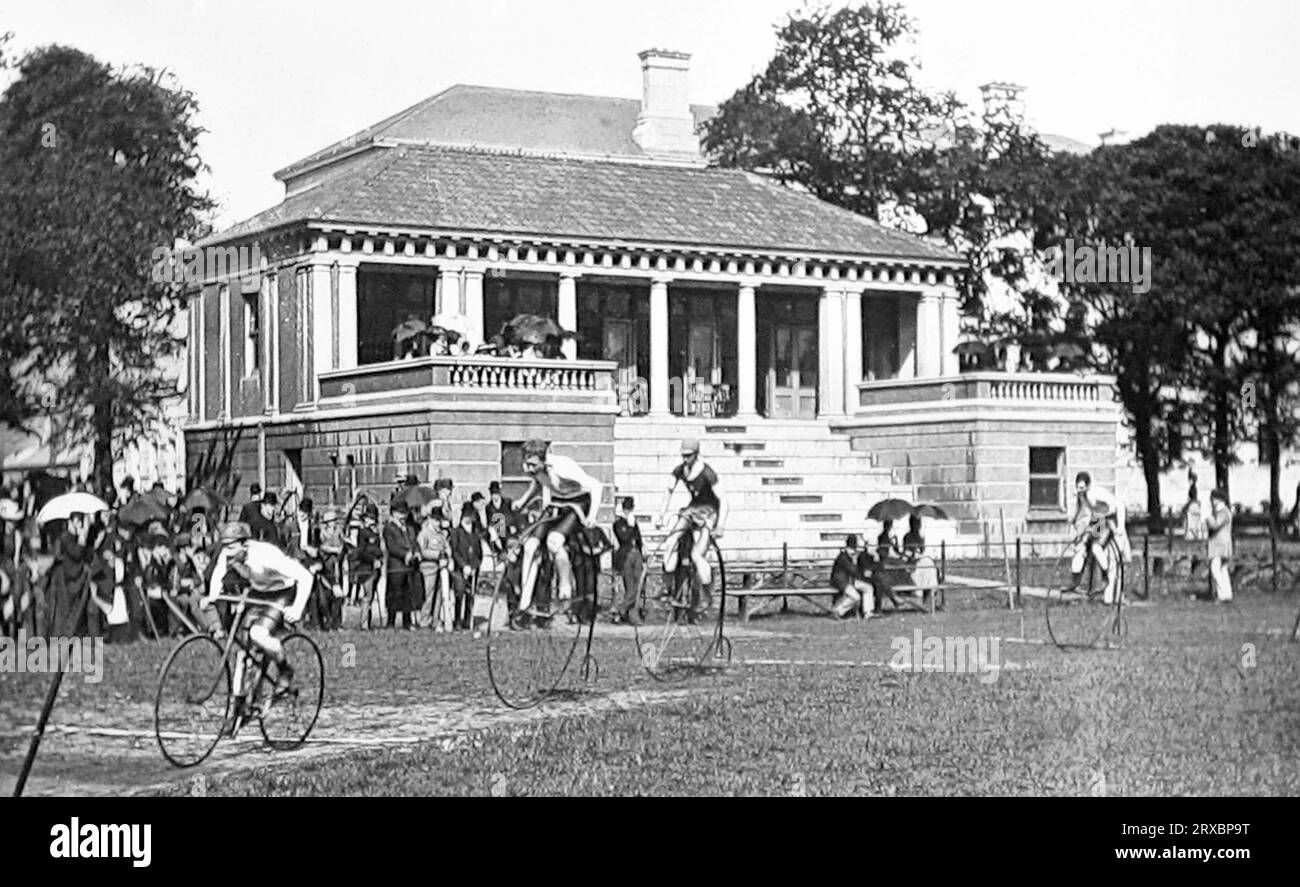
[
  {"x": 890, "y": 509},
  {"x": 928, "y": 510},
  {"x": 414, "y": 497},
  {"x": 142, "y": 511},
  {"x": 454, "y": 326},
  {"x": 63, "y": 507},
  {"x": 530, "y": 329},
  {"x": 1068, "y": 350},
  {"x": 972, "y": 349},
  {"x": 408, "y": 329},
  {"x": 201, "y": 497}
]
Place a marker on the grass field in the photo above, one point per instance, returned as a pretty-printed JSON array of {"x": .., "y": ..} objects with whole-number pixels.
[{"x": 1201, "y": 700}]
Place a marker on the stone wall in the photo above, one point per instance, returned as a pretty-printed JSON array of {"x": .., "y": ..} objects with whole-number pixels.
[
  {"x": 342, "y": 457},
  {"x": 974, "y": 468}
]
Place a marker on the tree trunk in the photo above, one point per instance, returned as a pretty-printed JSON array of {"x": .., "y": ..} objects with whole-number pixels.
[
  {"x": 102, "y": 422},
  {"x": 1222, "y": 418},
  {"x": 1149, "y": 453}
]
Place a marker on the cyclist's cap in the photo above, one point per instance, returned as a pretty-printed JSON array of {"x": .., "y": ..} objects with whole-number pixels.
[
  {"x": 235, "y": 531},
  {"x": 690, "y": 445}
]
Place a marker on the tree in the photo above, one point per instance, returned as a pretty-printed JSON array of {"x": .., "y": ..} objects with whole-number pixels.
[
  {"x": 837, "y": 111},
  {"x": 97, "y": 170}
]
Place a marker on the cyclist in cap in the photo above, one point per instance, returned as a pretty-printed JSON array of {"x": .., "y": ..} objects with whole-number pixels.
[
  {"x": 275, "y": 580},
  {"x": 707, "y": 512},
  {"x": 561, "y": 481}
]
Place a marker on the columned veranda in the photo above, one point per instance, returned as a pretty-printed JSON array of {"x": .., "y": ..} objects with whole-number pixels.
[{"x": 792, "y": 337}]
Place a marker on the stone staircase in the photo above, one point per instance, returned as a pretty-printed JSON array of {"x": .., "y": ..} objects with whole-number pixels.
[{"x": 791, "y": 482}]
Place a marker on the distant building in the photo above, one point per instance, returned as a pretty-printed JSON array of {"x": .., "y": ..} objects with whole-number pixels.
[{"x": 812, "y": 349}]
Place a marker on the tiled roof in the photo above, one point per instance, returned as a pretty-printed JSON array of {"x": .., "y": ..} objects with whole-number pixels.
[
  {"x": 493, "y": 192},
  {"x": 485, "y": 117}
]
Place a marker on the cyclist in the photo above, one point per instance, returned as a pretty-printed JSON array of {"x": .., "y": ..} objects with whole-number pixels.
[
  {"x": 562, "y": 481},
  {"x": 1094, "y": 539},
  {"x": 273, "y": 578},
  {"x": 707, "y": 512}
]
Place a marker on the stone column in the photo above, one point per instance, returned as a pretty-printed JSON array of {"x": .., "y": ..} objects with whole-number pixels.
[
  {"x": 347, "y": 331},
  {"x": 473, "y": 294},
  {"x": 929, "y": 336},
  {"x": 950, "y": 324},
  {"x": 273, "y": 342},
  {"x": 449, "y": 295},
  {"x": 908, "y": 314},
  {"x": 746, "y": 353},
  {"x": 830, "y": 348},
  {"x": 659, "y": 401},
  {"x": 567, "y": 310},
  {"x": 265, "y": 309},
  {"x": 224, "y": 344},
  {"x": 852, "y": 348},
  {"x": 322, "y": 327}
]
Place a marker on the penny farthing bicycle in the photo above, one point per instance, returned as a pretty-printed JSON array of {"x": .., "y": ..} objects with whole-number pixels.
[
  {"x": 530, "y": 651},
  {"x": 1093, "y": 614},
  {"x": 683, "y": 627}
]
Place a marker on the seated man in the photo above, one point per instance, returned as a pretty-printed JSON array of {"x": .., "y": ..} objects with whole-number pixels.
[
  {"x": 560, "y": 481},
  {"x": 275, "y": 580},
  {"x": 849, "y": 581}
]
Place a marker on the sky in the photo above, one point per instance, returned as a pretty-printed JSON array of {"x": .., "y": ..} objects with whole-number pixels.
[{"x": 278, "y": 80}]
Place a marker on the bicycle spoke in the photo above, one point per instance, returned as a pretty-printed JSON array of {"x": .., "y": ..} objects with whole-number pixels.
[{"x": 193, "y": 701}]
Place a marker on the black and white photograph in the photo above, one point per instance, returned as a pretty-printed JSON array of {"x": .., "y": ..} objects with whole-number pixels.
[{"x": 529, "y": 398}]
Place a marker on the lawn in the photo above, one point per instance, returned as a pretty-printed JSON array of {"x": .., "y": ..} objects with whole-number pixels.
[{"x": 1202, "y": 700}]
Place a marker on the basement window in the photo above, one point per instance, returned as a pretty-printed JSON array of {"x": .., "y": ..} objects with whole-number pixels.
[{"x": 1047, "y": 477}]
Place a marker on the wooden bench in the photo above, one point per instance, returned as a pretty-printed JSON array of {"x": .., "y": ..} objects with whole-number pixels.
[{"x": 766, "y": 581}]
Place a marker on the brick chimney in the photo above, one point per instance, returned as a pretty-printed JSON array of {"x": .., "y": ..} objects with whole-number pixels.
[
  {"x": 1004, "y": 99},
  {"x": 665, "y": 126}
]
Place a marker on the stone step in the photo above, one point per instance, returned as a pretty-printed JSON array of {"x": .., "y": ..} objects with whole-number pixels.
[
  {"x": 873, "y": 484},
  {"x": 678, "y": 427},
  {"x": 763, "y": 463}
]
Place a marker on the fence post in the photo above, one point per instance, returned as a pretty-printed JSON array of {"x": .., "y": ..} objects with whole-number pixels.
[
  {"x": 785, "y": 574},
  {"x": 1018, "y": 581},
  {"x": 1272, "y": 544},
  {"x": 1146, "y": 565},
  {"x": 943, "y": 560}
]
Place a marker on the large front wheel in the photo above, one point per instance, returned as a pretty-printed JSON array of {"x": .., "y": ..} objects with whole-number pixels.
[
  {"x": 193, "y": 701},
  {"x": 1090, "y": 614},
  {"x": 527, "y": 655},
  {"x": 682, "y": 634}
]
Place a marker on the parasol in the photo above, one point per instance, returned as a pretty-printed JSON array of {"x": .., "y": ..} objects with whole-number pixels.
[
  {"x": 414, "y": 497},
  {"x": 64, "y": 506},
  {"x": 890, "y": 509},
  {"x": 200, "y": 497},
  {"x": 142, "y": 511},
  {"x": 972, "y": 349},
  {"x": 928, "y": 510}
]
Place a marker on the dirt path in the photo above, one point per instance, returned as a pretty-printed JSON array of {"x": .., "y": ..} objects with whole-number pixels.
[{"x": 119, "y": 756}]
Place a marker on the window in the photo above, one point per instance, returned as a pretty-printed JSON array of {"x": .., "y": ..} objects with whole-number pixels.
[
  {"x": 514, "y": 482},
  {"x": 1046, "y": 477},
  {"x": 385, "y": 299},
  {"x": 252, "y": 333}
]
